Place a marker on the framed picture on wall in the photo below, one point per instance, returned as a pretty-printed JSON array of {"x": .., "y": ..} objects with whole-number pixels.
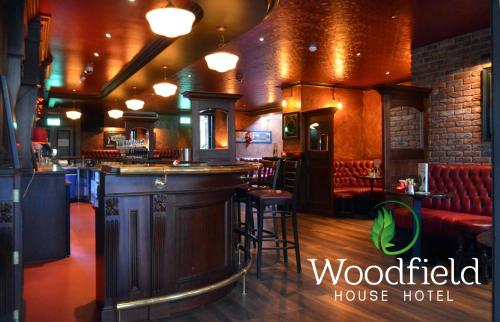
[
  {"x": 110, "y": 138},
  {"x": 291, "y": 126},
  {"x": 486, "y": 104},
  {"x": 255, "y": 136}
]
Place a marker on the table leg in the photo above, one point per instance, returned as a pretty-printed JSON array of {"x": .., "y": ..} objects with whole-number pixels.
[{"x": 417, "y": 208}]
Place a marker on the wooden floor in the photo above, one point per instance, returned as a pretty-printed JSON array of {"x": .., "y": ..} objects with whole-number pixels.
[{"x": 280, "y": 295}]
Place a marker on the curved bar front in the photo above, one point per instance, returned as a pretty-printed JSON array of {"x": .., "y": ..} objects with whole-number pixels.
[{"x": 161, "y": 232}]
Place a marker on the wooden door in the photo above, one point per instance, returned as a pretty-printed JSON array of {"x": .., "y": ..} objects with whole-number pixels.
[
  {"x": 318, "y": 160},
  {"x": 405, "y": 131}
]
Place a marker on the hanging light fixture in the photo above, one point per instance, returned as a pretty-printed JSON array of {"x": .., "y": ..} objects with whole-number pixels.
[
  {"x": 115, "y": 114},
  {"x": 73, "y": 114},
  {"x": 134, "y": 103},
  {"x": 165, "y": 88},
  {"x": 336, "y": 103},
  {"x": 170, "y": 21},
  {"x": 221, "y": 61}
]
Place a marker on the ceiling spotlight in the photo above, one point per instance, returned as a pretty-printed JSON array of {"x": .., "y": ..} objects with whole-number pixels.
[
  {"x": 387, "y": 73},
  {"x": 221, "y": 61},
  {"x": 394, "y": 17},
  {"x": 313, "y": 47},
  {"x": 108, "y": 35},
  {"x": 170, "y": 21},
  {"x": 165, "y": 88},
  {"x": 115, "y": 114},
  {"x": 74, "y": 90},
  {"x": 261, "y": 39},
  {"x": 358, "y": 54},
  {"x": 96, "y": 54},
  {"x": 189, "y": 75},
  {"x": 89, "y": 69}
]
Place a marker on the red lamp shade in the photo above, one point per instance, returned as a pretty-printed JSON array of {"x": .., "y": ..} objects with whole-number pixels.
[{"x": 39, "y": 135}]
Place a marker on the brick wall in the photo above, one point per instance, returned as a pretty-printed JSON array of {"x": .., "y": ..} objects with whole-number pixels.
[
  {"x": 405, "y": 127},
  {"x": 452, "y": 68}
]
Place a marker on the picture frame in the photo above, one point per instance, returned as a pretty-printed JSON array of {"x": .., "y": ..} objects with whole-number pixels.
[
  {"x": 110, "y": 138},
  {"x": 291, "y": 126},
  {"x": 486, "y": 105},
  {"x": 265, "y": 137}
]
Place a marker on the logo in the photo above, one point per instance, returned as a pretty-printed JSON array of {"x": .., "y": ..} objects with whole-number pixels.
[{"x": 384, "y": 229}]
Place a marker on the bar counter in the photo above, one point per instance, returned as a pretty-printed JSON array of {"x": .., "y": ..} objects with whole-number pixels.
[{"x": 161, "y": 230}]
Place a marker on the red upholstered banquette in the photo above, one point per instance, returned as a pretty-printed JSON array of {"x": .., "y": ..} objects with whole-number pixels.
[
  {"x": 109, "y": 154},
  {"x": 468, "y": 209},
  {"x": 346, "y": 173}
]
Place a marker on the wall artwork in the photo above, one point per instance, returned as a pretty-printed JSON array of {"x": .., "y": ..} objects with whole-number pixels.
[
  {"x": 254, "y": 136},
  {"x": 291, "y": 126},
  {"x": 110, "y": 138}
]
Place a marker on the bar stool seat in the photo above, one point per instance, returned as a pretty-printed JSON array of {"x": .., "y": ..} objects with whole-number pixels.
[{"x": 271, "y": 196}]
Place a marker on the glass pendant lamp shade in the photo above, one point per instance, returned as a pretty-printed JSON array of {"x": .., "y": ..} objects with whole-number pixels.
[
  {"x": 115, "y": 114},
  {"x": 134, "y": 104},
  {"x": 170, "y": 22},
  {"x": 165, "y": 89},
  {"x": 221, "y": 61},
  {"x": 74, "y": 115}
]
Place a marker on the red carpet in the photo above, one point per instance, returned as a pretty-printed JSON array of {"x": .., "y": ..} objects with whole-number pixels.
[{"x": 64, "y": 290}]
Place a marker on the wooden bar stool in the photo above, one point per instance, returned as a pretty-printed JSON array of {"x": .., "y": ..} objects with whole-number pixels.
[
  {"x": 266, "y": 178},
  {"x": 280, "y": 204}
]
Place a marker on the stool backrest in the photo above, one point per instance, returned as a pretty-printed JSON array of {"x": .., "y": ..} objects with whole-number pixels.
[
  {"x": 291, "y": 178},
  {"x": 268, "y": 173}
]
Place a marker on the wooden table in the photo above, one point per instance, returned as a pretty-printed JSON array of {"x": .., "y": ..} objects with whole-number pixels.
[
  {"x": 417, "y": 208},
  {"x": 372, "y": 180}
]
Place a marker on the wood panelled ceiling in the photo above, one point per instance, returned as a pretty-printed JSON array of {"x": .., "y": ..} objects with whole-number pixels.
[{"x": 360, "y": 43}]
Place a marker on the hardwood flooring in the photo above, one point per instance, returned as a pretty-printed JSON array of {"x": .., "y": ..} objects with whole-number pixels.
[{"x": 63, "y": 290}]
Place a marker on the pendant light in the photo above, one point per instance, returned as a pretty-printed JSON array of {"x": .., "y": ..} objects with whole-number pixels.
[
  {"x": 73, "y": 114},
  {"x": 221, "y": 61},
  {"x": 115, "y": 114},
  {"x": 170, "y": 21},
  {"x": 134, "y": 103},
  {"x": 165, "y": 88}
]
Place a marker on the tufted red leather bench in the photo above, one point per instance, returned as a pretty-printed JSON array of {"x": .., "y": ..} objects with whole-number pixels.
[
  {"x": 345, "y": 177},
  {"x": 469, "y": 209}
]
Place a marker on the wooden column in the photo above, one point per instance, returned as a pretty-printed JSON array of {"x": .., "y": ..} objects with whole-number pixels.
[
  {"x": 205, "y": 100},
  {"x": 26, "y": 99}
]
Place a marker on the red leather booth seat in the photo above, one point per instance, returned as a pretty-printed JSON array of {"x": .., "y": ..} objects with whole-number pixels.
[
  {"x": 109, "y": 154},
  {"x": 469, "y": 209},
  {"x": 345, "y": 177}
]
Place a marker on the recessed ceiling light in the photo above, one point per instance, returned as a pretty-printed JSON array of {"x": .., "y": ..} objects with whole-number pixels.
[
  {"x": 131, "y": 0},
  {"x": 261, "y": 39},
  {"x": 108, "y": 35},
  {"x": 394, "y": 17},
  {"x": 189, "y": 75},
  {"x": 96, "y": 54},
  {"x": 74, "y": 90},
  {"x": 358, "y": 54},
  {"x": 387, "y": 73},
  {"x": 313, "y": 47}
]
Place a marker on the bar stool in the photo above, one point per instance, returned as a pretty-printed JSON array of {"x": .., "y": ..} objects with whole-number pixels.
[
  {"x": 267, "y": 178},
  {"x": 282, "y": 204}
]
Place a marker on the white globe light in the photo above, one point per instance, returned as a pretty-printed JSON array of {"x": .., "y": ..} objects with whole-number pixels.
[
  {"x": 222, "y": 61},
  {"x": 74, "y": 115},
  {"x": 115, "y": 114},
  {"x": 170, "y": 22},
  {"x": 165, "y": 89},
  {"x": 134, "y": 104}
]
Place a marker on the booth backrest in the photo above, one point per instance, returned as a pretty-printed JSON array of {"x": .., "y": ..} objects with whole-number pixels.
[
  {"x": 346, "y": 172},
  {"x": 469, "y": 185}
]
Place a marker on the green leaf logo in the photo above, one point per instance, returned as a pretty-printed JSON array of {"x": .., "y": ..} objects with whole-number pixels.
[{"x": 384, "y": 229}]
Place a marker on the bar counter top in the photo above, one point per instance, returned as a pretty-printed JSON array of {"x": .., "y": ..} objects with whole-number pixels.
[{"x": 156, "y": 169}]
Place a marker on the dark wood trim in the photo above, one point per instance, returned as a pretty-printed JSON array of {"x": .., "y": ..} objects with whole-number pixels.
[
  {"x": 211, "y": 95},
  {"x": 495, "y": 38}
]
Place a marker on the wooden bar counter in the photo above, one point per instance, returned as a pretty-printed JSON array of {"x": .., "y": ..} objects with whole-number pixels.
[{"x": 162, "y": 230}]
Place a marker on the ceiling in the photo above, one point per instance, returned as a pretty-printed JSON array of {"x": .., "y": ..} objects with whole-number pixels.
[{"x": 360, "y": 43}]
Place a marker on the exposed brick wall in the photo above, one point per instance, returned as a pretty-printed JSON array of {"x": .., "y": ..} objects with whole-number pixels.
[
  {"x": 405, "y": 127},
  {"x": 452, "y": 68}
]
